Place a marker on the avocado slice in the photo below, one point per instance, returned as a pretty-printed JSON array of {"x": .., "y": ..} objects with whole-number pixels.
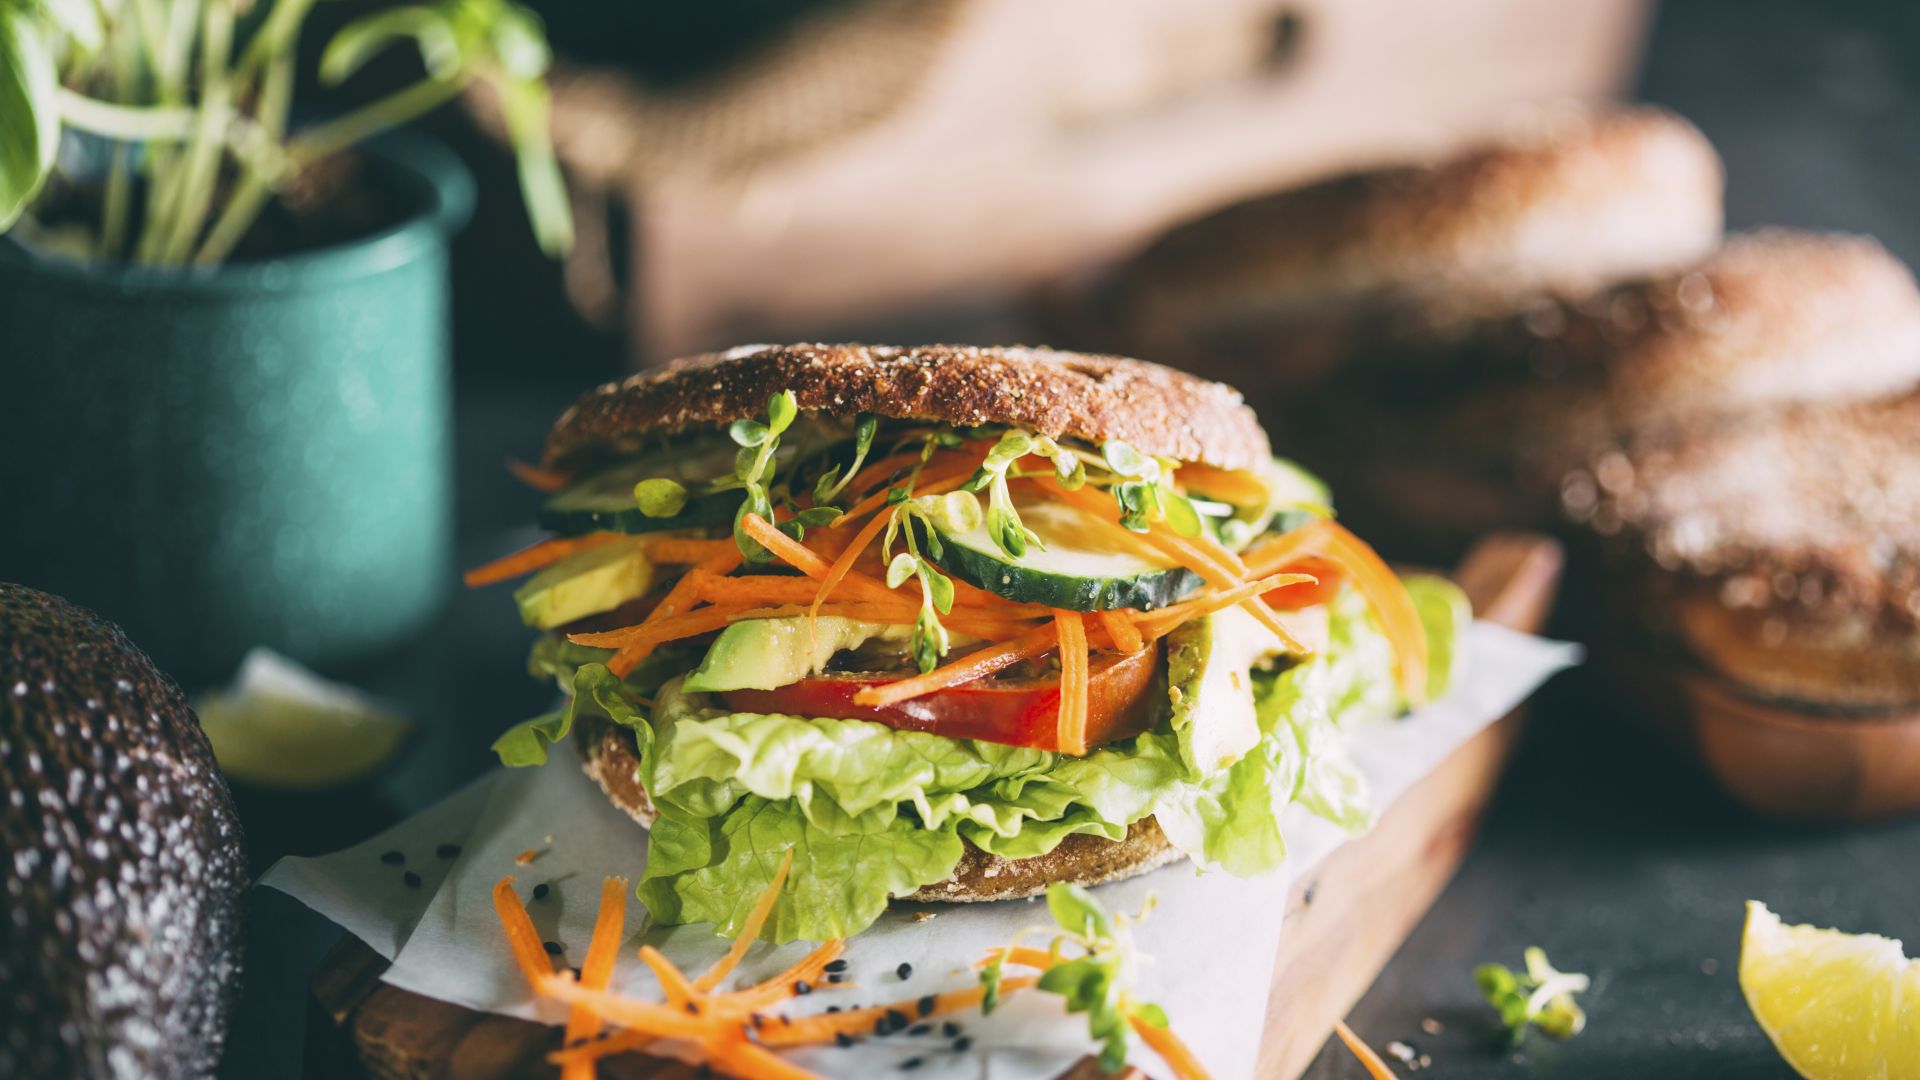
[
  {"x": 595, "y": 580},
  {"x": 766, "y": 654}
]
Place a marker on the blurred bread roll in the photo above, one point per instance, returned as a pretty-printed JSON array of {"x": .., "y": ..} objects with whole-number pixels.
[
  {"x": 1782, "y": 556},
  {"x": 1568, "y": 199}
]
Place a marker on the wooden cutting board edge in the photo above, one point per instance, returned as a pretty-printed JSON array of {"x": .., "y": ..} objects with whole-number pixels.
[{"x": 1345, "y": 919}]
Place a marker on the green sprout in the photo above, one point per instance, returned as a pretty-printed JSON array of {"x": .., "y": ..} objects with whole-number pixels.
[
  {"x": 930, "y": 638},
  {"x": 1003, "y": 521},
  {"x": 1144, "y": 489},
  {"x": 833, "y": 482},
  {"x": 660, "y": 497},
  {"x": 1539, "y": 997},
  {"x": 751, "y": 466},
  {"x": 1098, "y": 982}
]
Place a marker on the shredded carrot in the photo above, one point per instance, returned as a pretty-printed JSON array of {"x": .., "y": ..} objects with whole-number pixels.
[
  {"x": 537, "y": 478},
  {"x": 861, "y": 541},
  {"x": 597, "y": 970},
  {"x": 1382, "y": 588},
  {"x": 750, "y": 930},
  {"x": 663, "y": 1021},
  {"x": 1072, "y": 732},
  {"x": 936, "y": 485},
  {"x": 809, "y": 969},
  {"x": 679, "y": 991},
  {"x": 540, "y": 555},
  {"x": 681, "y": 596},
  {"x": 1375, "y": 1067},
  {"x": 877, "y": 471},
  {"x": 521, "y": 936},
  {"x": 821, "y": 1028},
  {"x": 686, "y": 551},
  {"x": 1175, "y": 1053},
  {"x": 1158, "y": 623},
  {"x": 1228, "y": 485},
  {"x": 803, "y": 559},
  {"x": 1024, "y": 955},
  {"x": 742, "y": 1058},
  {"x": 702, "y": 621},
  {"x": 974, "y": 665},
  {"x": 1121, "y": 629}
]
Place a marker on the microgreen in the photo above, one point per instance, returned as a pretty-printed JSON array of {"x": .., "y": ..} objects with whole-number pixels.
[
  {"x": 1538, "y": 997},
  {"x": 1003, "y": 521},
  {"x": 1098, "y": 982},
  {"x": 930, "y": 638},
  {"x": 1144, "y": 489},
  {"x": 757, "y": 443},
  {"x": 833, "y": 482},
  {"x": 660, "y": 497}
]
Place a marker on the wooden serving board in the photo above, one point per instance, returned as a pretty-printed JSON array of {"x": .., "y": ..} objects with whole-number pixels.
[{"x": 1344, "y": 920}]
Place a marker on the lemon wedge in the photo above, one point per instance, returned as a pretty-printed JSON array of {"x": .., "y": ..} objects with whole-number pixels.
[
  {"x": 282, "y": 726},
  {"x": 1837, "y": 1006}
]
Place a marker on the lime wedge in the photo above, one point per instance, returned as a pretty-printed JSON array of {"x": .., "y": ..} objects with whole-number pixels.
[
  {"x": 1837, "y": 1006},
  {"x": 281, "y": 726}
]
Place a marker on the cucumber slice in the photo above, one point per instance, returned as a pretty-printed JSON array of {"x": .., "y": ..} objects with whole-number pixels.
[
  {"x": 1081, "y": 568},
  {"x": 604, "y": 499}
]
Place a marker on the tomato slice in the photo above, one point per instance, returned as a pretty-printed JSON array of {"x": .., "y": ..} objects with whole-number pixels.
[
  {"x": 1328, "y": 580},
  {"x": 1017, "y": 712}
]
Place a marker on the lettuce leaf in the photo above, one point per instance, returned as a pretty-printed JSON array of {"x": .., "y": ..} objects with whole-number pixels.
[{"x": 872, "y": 812}]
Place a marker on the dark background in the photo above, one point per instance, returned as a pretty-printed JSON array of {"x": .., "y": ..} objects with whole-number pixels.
[{"x": 1616, "y": 856}]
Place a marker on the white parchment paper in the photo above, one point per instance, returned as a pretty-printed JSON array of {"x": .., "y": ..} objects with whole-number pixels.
[{"x": 1215, "y": 935}]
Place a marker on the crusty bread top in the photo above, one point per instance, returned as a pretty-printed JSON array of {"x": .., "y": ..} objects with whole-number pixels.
[
  {"x": 1774, "y": 318},
  {"x": 1156, "y": 409},
  {"x": 1568, "y": 200},
  {"x": 1817, "y": 509}
]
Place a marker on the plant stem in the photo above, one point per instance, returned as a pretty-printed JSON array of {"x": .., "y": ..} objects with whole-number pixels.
[
  {"x": 113, "y": 222},
  {"x": 204, "y": 152},
  {"x": 128, "y": 122},
  {"x": 256, "y": 186},
  {"x": 370, "y": 119}
]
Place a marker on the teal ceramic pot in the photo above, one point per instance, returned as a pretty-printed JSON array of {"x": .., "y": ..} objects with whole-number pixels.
[{"x": 254, "y": 454}]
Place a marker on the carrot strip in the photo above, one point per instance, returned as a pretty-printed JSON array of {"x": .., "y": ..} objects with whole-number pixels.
[
  {"x": 1072, "y": 733},
  {"x": 663, "y": 1021},
  {"x": 821, "y": 1028},
  {"x": 597, "y": 970},
  {"x": 750, "y": 930},
  {"x": 1227, "y": 485},
  {"x": 975, "y": 665},
  {"x": 686, "y": 551},
  {"x": 1171, "y": 1050},
  {"x": 809, "y": 969},
  {"x": 1382, "y": 588},
  {"x": 1375, "y": 1067},
  {"x": 528, "y": 559},
  {"x": 678, "y": 990},
  {"x": 705, "y": 620},
  {"x": 1024, "y": 955},
  {"x": 876, "y": 471},
  {"x": 861, "y": 541},
  {"x": 537, "y": 478},
  {"x": 802, "y": 558},
  {"x": 620, "y": 1042},
  {"x": 927, "y": 486},
  {"x": 1160, "y": 622},
  {"x": 522, "y": 938},
  {"x": 1120, "y": 627}
]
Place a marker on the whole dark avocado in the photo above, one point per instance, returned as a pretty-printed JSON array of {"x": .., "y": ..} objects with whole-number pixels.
[{"x": 123, "y": 870}]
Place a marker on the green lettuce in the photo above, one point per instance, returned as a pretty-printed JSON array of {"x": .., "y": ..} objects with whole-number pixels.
[{"x": 871, "y": 812}]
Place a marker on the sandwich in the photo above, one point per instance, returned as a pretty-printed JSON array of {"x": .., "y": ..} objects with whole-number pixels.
[{"x": 950, "y": 624}]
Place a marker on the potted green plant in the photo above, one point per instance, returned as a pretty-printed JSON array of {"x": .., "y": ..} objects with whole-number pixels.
[{"x": 224, "y": 371}]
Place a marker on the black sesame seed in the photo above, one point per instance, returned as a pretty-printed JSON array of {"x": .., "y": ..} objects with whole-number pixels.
[
  {"x": 693, "y": 1008},
  {"x": 836, "y": 965},
  {"x": 963, "y": 1044},
  {"x": 801, "y": 986},
  {"x": 950, "y": 1029},
  {"x": 836, "y": 977},
  {"x": 897, "y": 1018},
  {"x": 842, "y": 1039},
  {"x": 833, "y": 1008},
  {"x": 905, "y": 971},
  {"x": 925, "y": 1005},
  {"x": 393, "y": 858},
  {"x": 447, "y": 851},
  {"x": 412, "y": 879},
  {"x": 756, "y": 1020},
  {"x": 541, "y": 890},
  {"x": 910, "y": 1063},
  {"x": 920, "y": 1029},
  {"x": 552, "y": 947},
  {"x": 576, "y": 1043}
]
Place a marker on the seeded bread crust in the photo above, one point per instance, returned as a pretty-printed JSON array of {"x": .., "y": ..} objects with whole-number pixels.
[
  {"x": 1158, "y": 410},
  {"x": 1565, "y": 201},
  {"x": 1784, "y": 555},
  {"x": 609, "y": 756}
]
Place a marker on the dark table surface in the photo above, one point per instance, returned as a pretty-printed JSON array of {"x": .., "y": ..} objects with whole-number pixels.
[{"x": 1616, "y": 856}]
